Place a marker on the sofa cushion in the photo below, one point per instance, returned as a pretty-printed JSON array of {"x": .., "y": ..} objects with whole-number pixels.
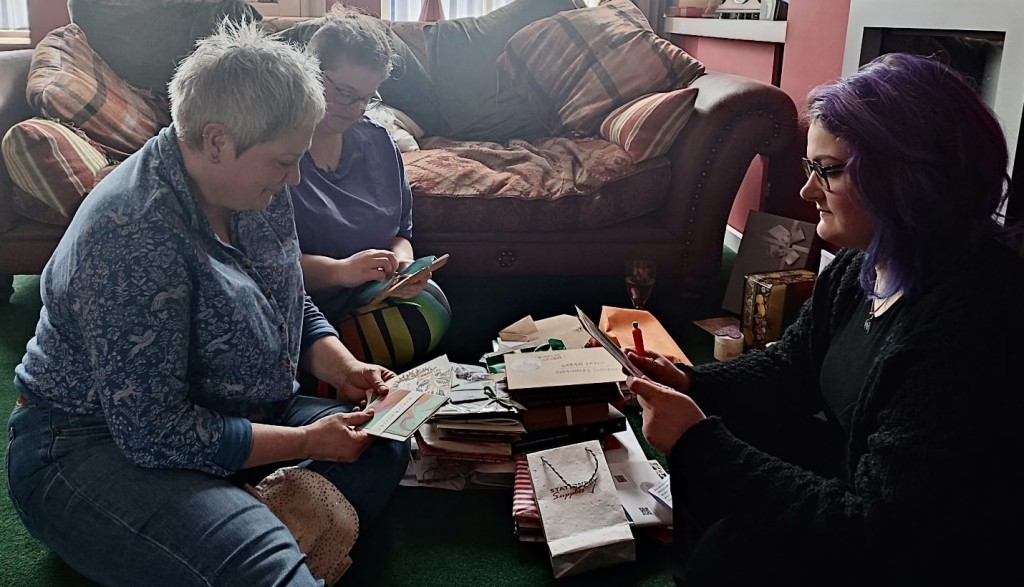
[
  {"x": 408, "y": 88},
  {"x": 647, "y": 126},
  {"x": 143, "y": 40},
  {"x": 548, "y": 185},
  {"x": 475, "y": 103},
  {"x": 52, "y": 162},
  {"x": 69, "y": 82},
  {"x": 575, "y": 67}
]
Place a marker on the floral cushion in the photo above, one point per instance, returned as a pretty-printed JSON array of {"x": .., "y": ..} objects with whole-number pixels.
[
  {"x": 575, "y": 67},
  {"x": 548, "y": 185},
  {"x": 647, "y": 126},
  {"x": 69, "y": 82}
]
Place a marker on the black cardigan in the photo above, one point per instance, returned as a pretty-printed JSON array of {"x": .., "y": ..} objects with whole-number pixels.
[{"x": 934, "y": 450}]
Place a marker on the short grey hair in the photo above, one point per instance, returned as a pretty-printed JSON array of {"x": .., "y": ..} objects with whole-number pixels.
[{"x": 255, "y": 86}]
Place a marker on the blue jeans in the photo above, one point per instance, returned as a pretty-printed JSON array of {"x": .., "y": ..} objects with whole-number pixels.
[{"x": 120, "y": 524}]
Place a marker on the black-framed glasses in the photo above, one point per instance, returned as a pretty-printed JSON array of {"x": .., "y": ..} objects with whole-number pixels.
[
  {"x": 345, "y": 97},
  {"x": 822, "y": 172}
]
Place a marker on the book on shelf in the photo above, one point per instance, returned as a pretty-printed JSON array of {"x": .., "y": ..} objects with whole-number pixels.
[
  {"x": 542, "y": 439},
  {"x": 572, "y": 376}
]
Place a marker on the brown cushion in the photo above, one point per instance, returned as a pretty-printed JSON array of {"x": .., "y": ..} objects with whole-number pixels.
[
  {"x": 575, "y": 67},
  {"x": 69, "y": 82},
  {"x": 53, "y": 163},
  {"x": 548, "y": 185},
  {"x": 647, "y": 127}
]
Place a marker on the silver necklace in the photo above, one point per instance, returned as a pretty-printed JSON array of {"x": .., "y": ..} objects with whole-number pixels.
[{"x": 872, "y": 311}]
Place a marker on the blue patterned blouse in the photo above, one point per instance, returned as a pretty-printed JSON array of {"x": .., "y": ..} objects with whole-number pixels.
[{"x": 178, "y": 339}]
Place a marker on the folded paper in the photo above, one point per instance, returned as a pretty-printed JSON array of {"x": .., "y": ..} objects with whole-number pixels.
[
  {"x": 617, "y": 323},
  {"x": 521, "y": 331}
]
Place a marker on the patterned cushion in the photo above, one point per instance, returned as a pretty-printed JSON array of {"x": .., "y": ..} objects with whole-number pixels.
[
  {"x": 647, "y": 126},
  {"x": 53, "y": 163},
  {"x": 549, "y": 185},
  {"x": 576, "y": 66},
  {"x": 69, "y": 82}
]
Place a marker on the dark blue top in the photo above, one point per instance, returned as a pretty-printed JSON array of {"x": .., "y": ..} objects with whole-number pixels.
[
  {"x": 179, "y": 339},
  {"x": 363, "y": 203}
]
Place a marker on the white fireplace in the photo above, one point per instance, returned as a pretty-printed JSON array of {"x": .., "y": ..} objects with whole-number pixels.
[{"x": 998, "y": 24}]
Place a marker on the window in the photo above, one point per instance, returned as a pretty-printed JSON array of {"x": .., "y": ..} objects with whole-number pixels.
[
  {"x": 14, "y": 15},
  {"x": 401, "y": 10},
  {"x": 13, "y": 24}
]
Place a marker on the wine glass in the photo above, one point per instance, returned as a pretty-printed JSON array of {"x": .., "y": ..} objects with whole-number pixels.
[{"x": 640, "y": 274}]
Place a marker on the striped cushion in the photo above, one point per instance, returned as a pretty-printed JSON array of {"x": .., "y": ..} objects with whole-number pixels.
[
  {"x": 575, "y": 67},
  {"x": 52, "y": 162},
  {"x": 647, "y": 126},
  {"x": 69, "y": 82}
]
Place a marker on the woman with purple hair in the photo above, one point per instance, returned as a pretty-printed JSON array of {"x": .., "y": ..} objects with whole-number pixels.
[{"x": 875, "y": 443}]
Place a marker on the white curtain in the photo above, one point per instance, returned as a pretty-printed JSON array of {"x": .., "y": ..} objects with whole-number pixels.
[
  {"x": 13, "y": 14},
  {"x": 410, "y": 9}
]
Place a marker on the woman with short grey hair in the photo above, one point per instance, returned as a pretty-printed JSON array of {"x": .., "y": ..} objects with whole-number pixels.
[{"x": 162, "y": 373}]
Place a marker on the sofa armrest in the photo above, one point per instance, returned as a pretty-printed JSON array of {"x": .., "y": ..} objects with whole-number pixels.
[
  {"x": 735, "y": 118},
  {"x": 14, "y": 108}
]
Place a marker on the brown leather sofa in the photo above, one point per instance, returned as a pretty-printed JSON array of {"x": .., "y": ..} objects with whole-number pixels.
[{"x": 736, "y": 118}]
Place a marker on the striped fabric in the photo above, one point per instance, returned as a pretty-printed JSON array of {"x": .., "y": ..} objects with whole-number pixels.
[
  {"x": 575, "y": 67},
  {"x": 52, "y": 162},
  {"x": 69, "y": 82},
  {"x": 647, "y": 126},
  {"x": 395, "y": 333},
  {"x": 525, "y": 511}
]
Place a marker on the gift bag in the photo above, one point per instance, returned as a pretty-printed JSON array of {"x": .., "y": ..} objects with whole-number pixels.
[{"x": 580, "y": 510}]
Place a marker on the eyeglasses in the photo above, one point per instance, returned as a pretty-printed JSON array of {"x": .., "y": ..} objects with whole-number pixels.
[
  {"x": 822, "y": 172},
  {"x": 345, "y": 97}
]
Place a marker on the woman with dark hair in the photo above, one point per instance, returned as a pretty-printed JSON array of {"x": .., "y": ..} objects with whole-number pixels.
[
  {"x": 877, "y": 442},
  {"x": 353, "y": 207}
]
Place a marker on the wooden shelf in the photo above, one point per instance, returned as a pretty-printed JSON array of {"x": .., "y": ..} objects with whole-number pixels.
[{"x": 764, "y": 31}]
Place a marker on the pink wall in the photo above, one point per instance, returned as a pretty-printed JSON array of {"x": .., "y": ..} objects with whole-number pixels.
[
  {"x": 44, "y": 16},
  {"x": 749, "y": 59},
  {"x": 815, "y": 40}
]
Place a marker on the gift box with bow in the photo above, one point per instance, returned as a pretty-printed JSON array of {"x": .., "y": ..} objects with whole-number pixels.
[{"x": 770, "y": 243}]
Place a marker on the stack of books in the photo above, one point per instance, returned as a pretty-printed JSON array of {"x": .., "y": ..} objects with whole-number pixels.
[{"x": 569, "y": 396}]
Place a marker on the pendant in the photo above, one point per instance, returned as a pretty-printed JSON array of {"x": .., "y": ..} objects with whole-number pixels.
[{"x": 867, "y": 324}]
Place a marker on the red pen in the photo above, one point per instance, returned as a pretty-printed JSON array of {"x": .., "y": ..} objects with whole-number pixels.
[{"x": 638, "y": 339}]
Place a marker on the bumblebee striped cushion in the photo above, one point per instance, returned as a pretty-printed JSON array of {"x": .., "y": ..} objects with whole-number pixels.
[
  {"x": 575, "y": 67},
  {"x": 647, "y": 126},
  {"x": 69, "y": 82},
  {"x": 52, "y": 162}
]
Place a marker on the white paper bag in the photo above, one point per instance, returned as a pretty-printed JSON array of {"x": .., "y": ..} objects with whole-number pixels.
[{"x": 580, "y": 509}]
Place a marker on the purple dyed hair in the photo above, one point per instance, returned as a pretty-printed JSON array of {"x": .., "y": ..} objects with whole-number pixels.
[{"x": 927, "y": 159}]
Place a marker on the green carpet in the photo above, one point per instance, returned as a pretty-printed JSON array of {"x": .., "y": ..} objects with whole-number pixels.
[{"x": 426, "y": 537}]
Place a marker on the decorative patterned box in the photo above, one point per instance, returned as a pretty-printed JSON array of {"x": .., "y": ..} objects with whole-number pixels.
[
  {"x": 771, "y": 302},
  {"x": 770, "y": 243}
]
